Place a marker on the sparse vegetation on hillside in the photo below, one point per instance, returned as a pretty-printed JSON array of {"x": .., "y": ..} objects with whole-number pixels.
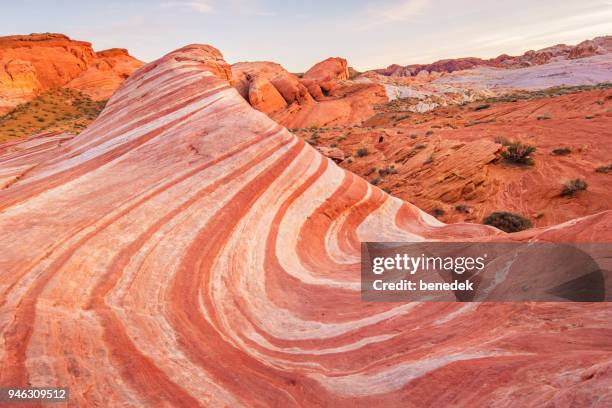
[
  {"x": 562, "y": 151},
  {"x": 507, "y": 221},
  {"x": 362, "y": 152},
  {"x": 58, "y": 109},
  {"x": 462, "y": 208},
  {"x": 437, "y": 212},
  {"x": 518, "y": 153},
  {"x": 604, "y": 169},
  {"x": 387, "y": 170},
  {"x": 546, "y": 93},
  {"x": 571, "y": 187},
  {"x": 482, "y": 107}
]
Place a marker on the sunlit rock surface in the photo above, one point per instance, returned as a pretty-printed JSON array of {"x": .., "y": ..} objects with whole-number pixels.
[
  {"x": 186, "y": 250},
  {"x": 32, "y": 64}
]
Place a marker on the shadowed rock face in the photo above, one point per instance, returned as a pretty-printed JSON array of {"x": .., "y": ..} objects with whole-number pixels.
[
  {"x": 186, "y": 250},
  {"x": 31, "y": 64}
]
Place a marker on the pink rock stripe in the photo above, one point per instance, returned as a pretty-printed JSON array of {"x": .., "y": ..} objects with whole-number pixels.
[{"x": 186, "y": 250}]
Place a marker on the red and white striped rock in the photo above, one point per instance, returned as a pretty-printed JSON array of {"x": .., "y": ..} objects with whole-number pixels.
[{"x": 186, "y": 250}]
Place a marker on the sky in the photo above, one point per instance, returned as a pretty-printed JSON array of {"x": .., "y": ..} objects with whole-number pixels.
[{"x": 297, "y": 34}]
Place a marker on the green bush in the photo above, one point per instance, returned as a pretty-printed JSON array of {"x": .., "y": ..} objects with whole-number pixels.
[
  {"x": 462, "y": 208},
  {"x": 507, "y": 221},
  {"x": 519, "y": 153},
  {"x": 387, "y": 170},
  {"x": 437, "y": 212},
  {"x": 570, "y": 188},
  {"x": 561, "y": 151},
  {"x": 482, "y": 107},
  {"x": 604, "y": 169},
  {"x": 362, "y": 152}
]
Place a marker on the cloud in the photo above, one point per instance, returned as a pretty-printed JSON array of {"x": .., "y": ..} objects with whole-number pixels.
[
  {"x": 231, "y": 7},
  {"x": 200, "y": 6},
  {"x": 377, "y": 14},
  {"x": 399, "y": 11}
]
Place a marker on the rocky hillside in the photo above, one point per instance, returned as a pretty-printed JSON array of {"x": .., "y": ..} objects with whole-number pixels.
[
  {"x": 32, "y": 64},
  {"x": 588, "y": 48}
]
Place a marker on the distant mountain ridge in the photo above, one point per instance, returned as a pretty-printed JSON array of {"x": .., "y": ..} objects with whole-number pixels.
[{"x": 588, "y": 48}]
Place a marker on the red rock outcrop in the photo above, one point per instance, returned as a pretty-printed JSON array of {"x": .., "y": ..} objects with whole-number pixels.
[
  {"x": 268, "y": 86},
  {"x": 185, "y": 250},
  {"x": 588, "y": 48},
  {"x": 31, "y": 64},
  {"x": 333, "y": 68},
  {"x": 103, "y": 76},
  {"x": 303, "y": 102},
  {"x": 326, "y": 73}
]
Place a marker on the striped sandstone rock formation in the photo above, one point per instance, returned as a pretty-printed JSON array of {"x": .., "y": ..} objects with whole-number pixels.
[{"x": 186, "y": 250}]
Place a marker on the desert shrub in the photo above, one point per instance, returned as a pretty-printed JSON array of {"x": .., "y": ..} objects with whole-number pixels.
[
  {"x": 571, "y": 187},
  {"x": 369, "y": 172},
  {"x": 362, "y": 152},
  {"x": 376, "y": 181},
  {"x": 562, "y": 151},
  {"x": 546, "y": 116},
  {"x": 507, "y": 221},
  {"x": 518, "y": 153},
  {"x": 462, "y": 208},
  {"x": 387, "y": 170},
  {"x": 429, "y": 133},
  {"x": 437, "y": 212},
  {"x": 342, "y": 138},
  {"x": 429, "y": 160},
  {"x": 413, "y": 136},
  {"x": 604, "y": 169},
  {"x": 482, "y": 107},
  {"x": 420, "y": 146}
]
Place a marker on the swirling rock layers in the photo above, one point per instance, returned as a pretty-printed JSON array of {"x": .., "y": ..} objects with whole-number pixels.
[{"x": 186, "y": 250}]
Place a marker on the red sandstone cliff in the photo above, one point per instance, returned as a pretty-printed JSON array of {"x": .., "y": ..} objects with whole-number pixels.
[
  {"x": 31, "y": 64},
  {"x": 324, "y": 96}
]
